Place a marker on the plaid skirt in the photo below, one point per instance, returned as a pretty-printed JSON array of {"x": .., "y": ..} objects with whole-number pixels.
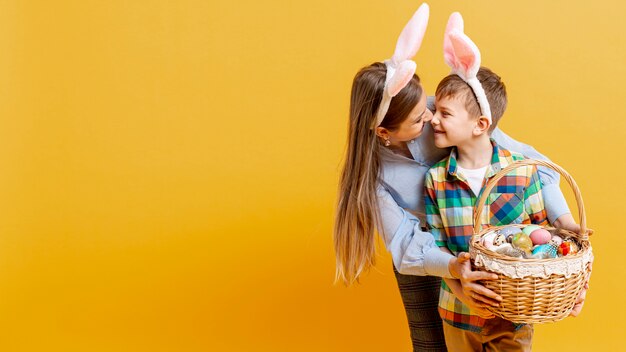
[{"x": 420, "y": 295}]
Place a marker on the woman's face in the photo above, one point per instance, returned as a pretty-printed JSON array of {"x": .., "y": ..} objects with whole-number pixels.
[{"x": 413, "y": 125}]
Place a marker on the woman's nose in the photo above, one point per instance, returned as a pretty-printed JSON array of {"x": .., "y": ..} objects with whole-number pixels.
[{"x": 429, "y": 116}]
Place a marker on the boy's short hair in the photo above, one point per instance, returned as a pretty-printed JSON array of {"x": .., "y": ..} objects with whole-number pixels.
[{"x": 454, "y": 86}]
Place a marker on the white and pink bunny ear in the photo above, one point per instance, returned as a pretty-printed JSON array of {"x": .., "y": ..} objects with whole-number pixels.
[
  {"x": 463, "y": 57},
  {"x": 411, "y": 37},
  {"x": 455, "y": 23},
  {"x": 401, "y": 77},
  {"x": 400, "y": 68}
]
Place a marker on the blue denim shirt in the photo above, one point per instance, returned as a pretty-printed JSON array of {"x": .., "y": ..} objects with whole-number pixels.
[{"x": 401, "y": 202}]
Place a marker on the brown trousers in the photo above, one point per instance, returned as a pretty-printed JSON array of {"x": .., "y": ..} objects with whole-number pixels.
[{"x": 497, "y": 335}]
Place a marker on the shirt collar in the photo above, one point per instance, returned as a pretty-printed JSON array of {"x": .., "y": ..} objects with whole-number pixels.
[{"x": 497, "y": 163}]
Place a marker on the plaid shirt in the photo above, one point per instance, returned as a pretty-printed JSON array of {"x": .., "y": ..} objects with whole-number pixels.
[{"x": 449, "y": 200}]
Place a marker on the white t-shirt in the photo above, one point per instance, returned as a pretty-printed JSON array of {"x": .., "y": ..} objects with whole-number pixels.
[{"x": 474, "y": 177}]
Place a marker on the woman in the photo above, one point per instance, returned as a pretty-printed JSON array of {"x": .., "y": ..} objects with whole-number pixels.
[{"x": 390, "y": 148}]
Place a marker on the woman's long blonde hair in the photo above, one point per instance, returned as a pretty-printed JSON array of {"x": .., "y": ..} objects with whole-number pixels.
[{"x": 357, "y": 214}]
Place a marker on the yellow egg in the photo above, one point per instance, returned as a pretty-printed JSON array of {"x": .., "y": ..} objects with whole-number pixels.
[{"x": 522, "y": 241}]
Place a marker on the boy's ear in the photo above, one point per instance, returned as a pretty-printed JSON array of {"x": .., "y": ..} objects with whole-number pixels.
[{"x": 482, "y": 125}]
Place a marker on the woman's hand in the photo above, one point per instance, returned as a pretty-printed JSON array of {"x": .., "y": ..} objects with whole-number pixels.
[
  {"x": 478, "y": 295},
  {"x": 567, "y": 222},
  {"x": 580, "y": 301}
]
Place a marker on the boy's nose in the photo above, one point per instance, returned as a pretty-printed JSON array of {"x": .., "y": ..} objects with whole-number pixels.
[{"x": 434, "y": 120}]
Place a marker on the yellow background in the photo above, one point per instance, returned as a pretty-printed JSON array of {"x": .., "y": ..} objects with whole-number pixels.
[{"x": 168, "y": 169}]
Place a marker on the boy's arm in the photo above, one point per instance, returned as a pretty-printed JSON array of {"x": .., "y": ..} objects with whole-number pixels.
[
  {"x": 556, "y": 207},
  {"x": 533, "y": 200},
  {"x": 413, "y": 251}
]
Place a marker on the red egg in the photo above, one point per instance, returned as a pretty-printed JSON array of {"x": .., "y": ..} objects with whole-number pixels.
[{"x": 564, "y": 248}]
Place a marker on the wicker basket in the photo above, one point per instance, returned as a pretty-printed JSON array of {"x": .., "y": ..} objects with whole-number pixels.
[{"x": 541, "y": 290}]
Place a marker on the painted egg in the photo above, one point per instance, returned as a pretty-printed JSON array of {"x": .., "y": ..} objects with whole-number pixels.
[
  {"x": 574, "y": 248},
  {"x": 530, "y": 228},
  {"x": 568, "y": 247},
  {"x": 564, "y": 249},
  {"x": 540, "y": 236},
  {"x": 499, "y": 240},
  {"x": 556, "y": 240},
  {"x": 522, "y": 241},
  {"x": 544, "y": 251},
  {"x": 493, "y": 241},
  {"x": 508, "y": 250},
  {"x": 487, "y": 240},
  {"x": 509, "y": 231}
]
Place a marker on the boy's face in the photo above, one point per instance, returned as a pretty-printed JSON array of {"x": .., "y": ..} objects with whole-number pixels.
[{"x": 452, "y": 124}]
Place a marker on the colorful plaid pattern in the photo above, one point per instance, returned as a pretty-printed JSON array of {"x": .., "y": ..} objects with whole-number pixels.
[{"x": 449, "y": 200}]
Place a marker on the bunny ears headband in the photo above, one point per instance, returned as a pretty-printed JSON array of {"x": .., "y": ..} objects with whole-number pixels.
[
  {"x": 459, "y": 52},
  {"x": 462, "y": 55},
  {"x": 400, "y": 68}
]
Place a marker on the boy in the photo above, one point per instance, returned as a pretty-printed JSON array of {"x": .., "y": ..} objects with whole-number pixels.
[{"x": 452, "y": 187}]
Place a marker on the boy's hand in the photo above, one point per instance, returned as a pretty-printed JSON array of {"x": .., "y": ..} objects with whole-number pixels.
[
  {"x": 478, "y": 295},
  {"x": 455, "y": 287}
]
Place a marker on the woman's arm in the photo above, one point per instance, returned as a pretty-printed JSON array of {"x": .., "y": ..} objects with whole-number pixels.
[
  {"x": 556, "y": 206},
  {"x": 414, "y": 251}
]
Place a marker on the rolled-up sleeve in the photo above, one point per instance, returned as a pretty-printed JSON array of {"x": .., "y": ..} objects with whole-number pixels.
[
  {"x": 414, "y": 251},
  {"x": 553, "y": 197}
]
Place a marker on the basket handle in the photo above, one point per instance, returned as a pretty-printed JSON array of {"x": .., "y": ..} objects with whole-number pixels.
[{"x": 480, "y": 204}]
